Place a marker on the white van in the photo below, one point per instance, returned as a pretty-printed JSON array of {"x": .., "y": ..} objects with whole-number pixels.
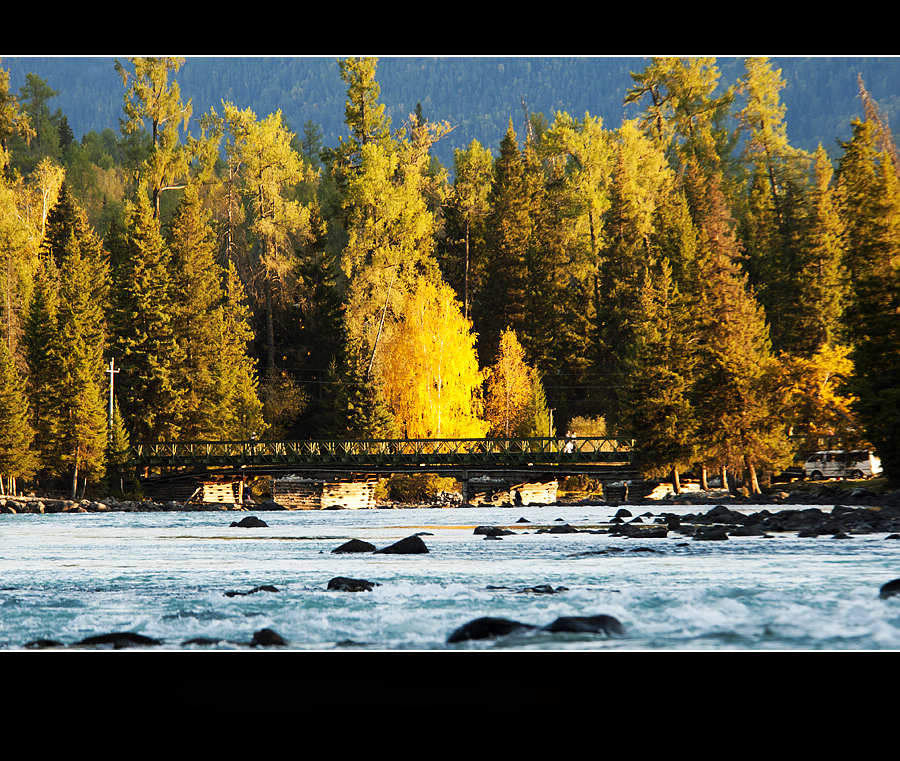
[{"x": 838, "y": 463}]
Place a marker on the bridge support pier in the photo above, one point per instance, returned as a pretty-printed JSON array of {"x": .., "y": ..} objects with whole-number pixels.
[
  {"x": 296, "y": 492},
  {"x": 508, "y": 491}
]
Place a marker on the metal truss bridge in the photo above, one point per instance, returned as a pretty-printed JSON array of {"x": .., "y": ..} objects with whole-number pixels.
[{"x": 596, "y": 455}]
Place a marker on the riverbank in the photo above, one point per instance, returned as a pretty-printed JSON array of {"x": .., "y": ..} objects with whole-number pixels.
[{"x": 823, "y": 493}]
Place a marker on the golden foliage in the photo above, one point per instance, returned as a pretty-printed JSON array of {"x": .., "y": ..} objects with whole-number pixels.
[{"x": 428, "y": 367}]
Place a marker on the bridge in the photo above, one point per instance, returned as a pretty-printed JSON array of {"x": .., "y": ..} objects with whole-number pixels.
[{"x": 511, "y": 460}]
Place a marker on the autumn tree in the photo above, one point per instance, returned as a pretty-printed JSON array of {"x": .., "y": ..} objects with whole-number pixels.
[
  {"x": 515, "y": 405},
  {"x": 151, "y": 98},
  {"x": 17, "y": 459},
  {"x": 429, "y": 368}
]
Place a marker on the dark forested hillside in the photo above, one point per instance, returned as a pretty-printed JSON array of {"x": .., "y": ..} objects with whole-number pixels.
[{"x": 477, "y": 95}]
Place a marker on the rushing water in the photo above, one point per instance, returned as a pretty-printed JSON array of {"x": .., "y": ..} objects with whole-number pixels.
[{"x": 164, "y": 575}]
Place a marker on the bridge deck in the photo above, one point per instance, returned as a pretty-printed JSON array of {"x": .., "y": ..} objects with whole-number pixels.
[{"x": 385, "y": 454}]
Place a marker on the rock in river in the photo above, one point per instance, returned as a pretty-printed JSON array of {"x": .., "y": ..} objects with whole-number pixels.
[
  {"x": 261, "y": 588},
  {"x": 266, "y": 638},
  {"x": 343, "y": 584},
  {"x": 486, "y": 628},
  {"x": 355, "y": 545},
  {"x": 601, "y": 624},
  {"x": 118, "y": 640},
  {"x": 890, "y": 589},
  {"x": 251, "y": 521},
  {"x": 409, "y": 546}
]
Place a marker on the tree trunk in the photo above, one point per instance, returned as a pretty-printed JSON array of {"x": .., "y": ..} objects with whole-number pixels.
[
  {"x": 75, "y": 481},
  {"x": 270, "y": 333},
  {"x": 704, "y": 481},
  {"x": 466, "y": 284},
  {"x": 724, "y": 472},
  {"x": 676, "y": 481},
  {"x": 751, "y": 472}
]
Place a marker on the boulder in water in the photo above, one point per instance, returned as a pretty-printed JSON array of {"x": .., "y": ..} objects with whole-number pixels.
[
  {"x": 487, "y": 628},
  {"x": 261, "y": 588},
  {"x": 355, "y": 545},
  {"x": 251, "y": 521},
  {"x": 267, "y": 638},
  {"x": 118, "y": 640},
  {"x": 343, "y": 584},
  {"x": 890, "y": 589},
  {"x": 409, "y": 546},
  {"x": 601, "y": 624}
]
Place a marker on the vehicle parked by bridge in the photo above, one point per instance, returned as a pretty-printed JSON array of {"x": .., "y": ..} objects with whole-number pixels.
[{"x": 840, "y": 463}]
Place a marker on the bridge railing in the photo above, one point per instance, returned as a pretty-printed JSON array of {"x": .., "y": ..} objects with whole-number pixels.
[{"x": 385, "y": 452}]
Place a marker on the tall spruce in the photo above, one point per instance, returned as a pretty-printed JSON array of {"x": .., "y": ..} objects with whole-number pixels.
[
  {"x": 656, "y": 406},
  {"x": 145, "y": 339},
  {"x": 870, "y": 208},
  {"x": 736, "y": 393}
]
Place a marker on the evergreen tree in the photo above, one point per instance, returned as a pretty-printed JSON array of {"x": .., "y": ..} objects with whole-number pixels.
[
  {"x": 659, "y": 363},
  {"x": 870, "y": 209},
  {"x": 197, "y": 312},
  {"x": 736, "y": 393},
  {"x": 44, "y": 376},
  {"x": 145, "y": 339},
  {"x": 504, "y": 299},
  {"x": 118, "y": 451}
]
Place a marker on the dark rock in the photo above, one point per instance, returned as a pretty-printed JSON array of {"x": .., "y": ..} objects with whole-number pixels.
[
  {"x": 523, "y": 520},
  {"x": 494, "y": 538},
  {"x": 118, "y": 640},
  {"x": 543, "y": 589},
  {"x": 205, "y": 641},
  {"x": 343, "y": 584},
  {"x": 890, "y": 589},
  {"x": 601, "y": 624},
  {"x": 710, "y": 533},
  {"x": 38, "y": 644},
  {"x": 492, "y": 531},
  {"x": 893, "y": 536},
  {"x": 487, "y": 628},
  {"x": 409, "y": 546},
  {"x": 564, "y": 529},
  {"x": 267, "y": 638},
  {"x": 270, "y": 505},
  {"x": 646, "y": 531},
  {"x": 644, "y": 549},
  {"x": 251, "y": 521},
  {"x": 623, "y": 513},
  {"x": 261, "y": 588},
  {"x": 355, "y": 545},
  {"x": 841, "y": 535},
  {"x": 754, "y": 530}
]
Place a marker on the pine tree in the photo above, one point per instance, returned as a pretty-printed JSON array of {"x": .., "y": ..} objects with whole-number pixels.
[
  {"x": 504, "y": 299},
  {"x": 197, "y": 312},
  {"x": 78, "y": 348},
  {"x": 736, "y": 392},
  {"x": 17, "y": 459},
  {"x": 44, "y": 376},
  {"x": 145, "y": 341},
  {"x": 118, "y": 450},
  {"x": 656, "y": 407}
]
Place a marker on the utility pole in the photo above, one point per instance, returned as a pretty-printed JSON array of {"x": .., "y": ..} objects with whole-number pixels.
[{"x": 112, "y": 370}]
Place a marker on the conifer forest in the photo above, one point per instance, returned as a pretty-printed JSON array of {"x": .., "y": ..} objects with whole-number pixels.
[{"x": 686, "y": 278}]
